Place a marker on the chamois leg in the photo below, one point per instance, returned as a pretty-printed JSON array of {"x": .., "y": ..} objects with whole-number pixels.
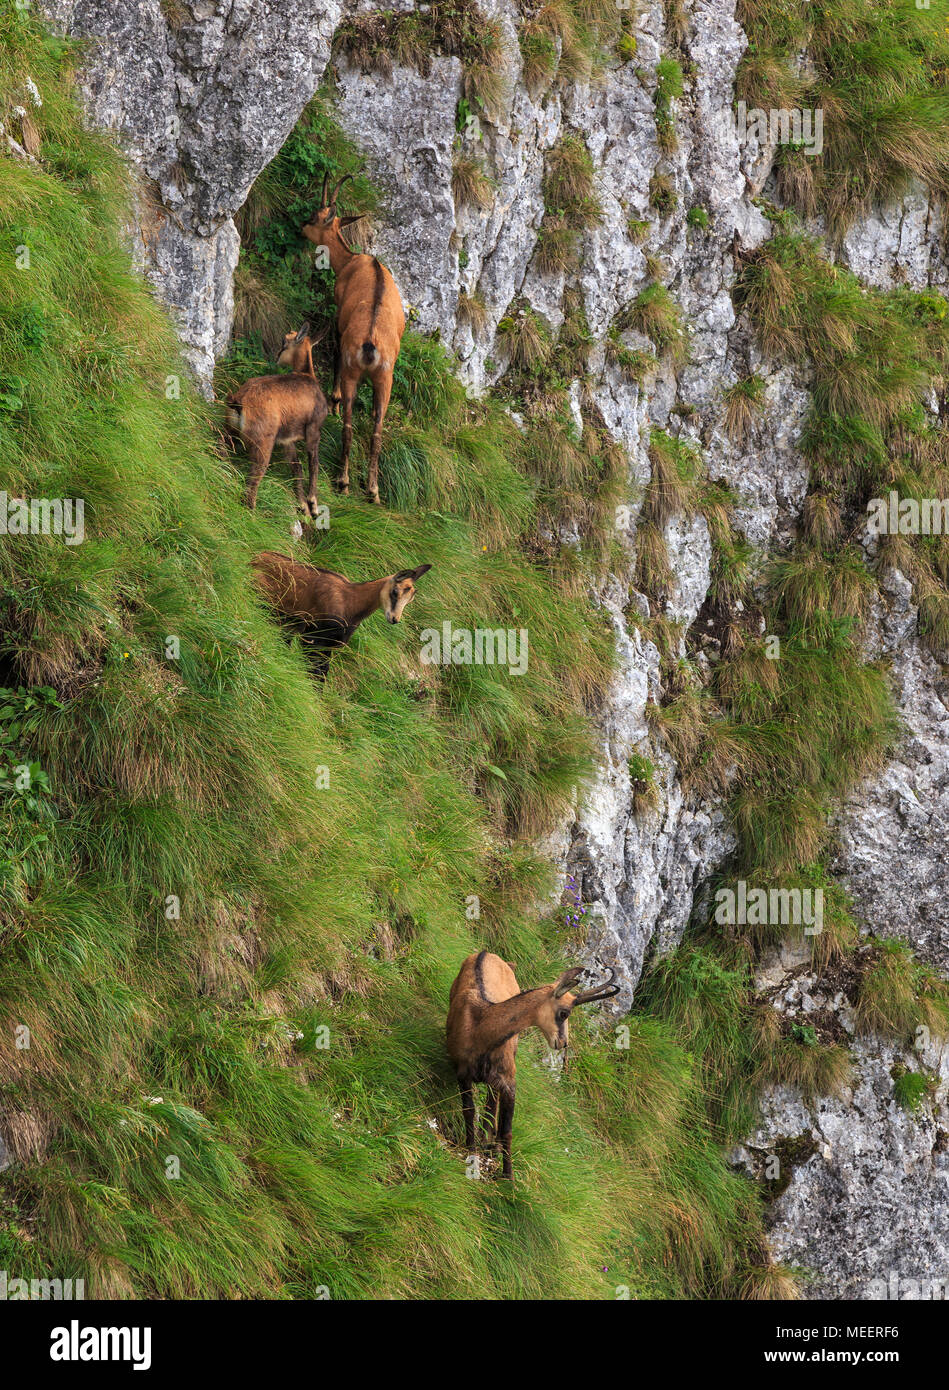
[
  {"x": 260, "y": 451},
  {"x": 381, "y": 391},
  {"x": 293, "y": 458},
  {"x": 348, "y": 388},
  {"x": 336, "y": 395},
  {"x": 468, "y": 1110},
  {"x": 504, "y": 1129},
  {"x": 489, "y": 1118},
  {"x": 313, "y": 449}
]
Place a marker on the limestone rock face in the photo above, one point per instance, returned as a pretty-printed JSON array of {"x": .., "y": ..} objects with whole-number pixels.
[
  {"x": 203, "y": 93},
  {"x": 860, "y": 1181}
]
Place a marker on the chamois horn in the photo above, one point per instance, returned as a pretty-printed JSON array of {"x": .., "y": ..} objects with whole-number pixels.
[
  {"x": 606, "y": 990},
  {"x": 567, "y": 980},
  {"x": 335, "y": 193}
]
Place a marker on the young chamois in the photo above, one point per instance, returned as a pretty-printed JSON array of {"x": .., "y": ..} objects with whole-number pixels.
[
  {"x": 486, "y": 1013},
  {"x": 282, "y": 409},
  {"x": 324, "y": 606},
  {"x": 370, "y": 323}
]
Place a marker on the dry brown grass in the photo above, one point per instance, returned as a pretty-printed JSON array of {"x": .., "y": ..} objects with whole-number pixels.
[{"x": 471, "y": 186}]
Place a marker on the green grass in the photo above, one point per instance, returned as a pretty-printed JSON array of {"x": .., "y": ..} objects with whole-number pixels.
[
  {"x": 569, "y": 191},
  {"x": 188, "y": 903},
  {"x": 878, "y": 74},
  {"x": 669, "y": 87},
  {"x": 655, "y": 313},
  {"x": 912, "y": 1088}
]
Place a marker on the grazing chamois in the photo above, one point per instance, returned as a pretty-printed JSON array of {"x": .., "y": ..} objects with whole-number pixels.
[
  {"x": 487, "y": 1011},
  {"x": 282, "y": 409},
  {"x": 370, "y": 323},
  {"x": 324, "y": 606}
]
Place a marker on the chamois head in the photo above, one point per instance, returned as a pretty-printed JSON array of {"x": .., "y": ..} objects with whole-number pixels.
[
  {"x": 553, "y": 1015},
  {"x": 296, "y": 348},
  {"x": 399, "y": 590},
  {"x": 324, "y": 226}
]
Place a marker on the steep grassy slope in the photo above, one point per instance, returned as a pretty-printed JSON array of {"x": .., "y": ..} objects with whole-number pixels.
[{"x": 231, "y": 975}]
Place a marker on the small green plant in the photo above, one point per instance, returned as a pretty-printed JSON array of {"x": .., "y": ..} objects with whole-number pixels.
[
  {"x": 655, "y": 314},
  {"x": 912, "y": 1088},
  {"x": 804, "y": 1033},
  {"x": 697, "y": 216},
  {"x": 642, "y": 776},
  {"x": 669, "y": 87},
  {"x": 626, "y": 47}
]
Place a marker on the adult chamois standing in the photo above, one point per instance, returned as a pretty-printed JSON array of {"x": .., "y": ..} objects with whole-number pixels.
[
  {"x": 282, "y": 409},
  {"x": 370, "y": 323},
  {"x": 324, "y": 606},
  {"x": 487, "y": 1012}
]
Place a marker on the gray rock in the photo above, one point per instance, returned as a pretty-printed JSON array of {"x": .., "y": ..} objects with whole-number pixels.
[{"x": 202, "y": 105}]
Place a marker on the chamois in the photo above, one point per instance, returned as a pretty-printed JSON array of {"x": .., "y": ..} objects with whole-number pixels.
[
  {"x": 487, "y": 1011},
  {"x": 282, "y": 409},
  {"x": 323, "y": 605},
  {"x": 370, "y": 323}
]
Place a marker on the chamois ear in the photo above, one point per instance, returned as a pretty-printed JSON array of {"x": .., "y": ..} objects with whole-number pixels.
[
  {"x": 303, "y": 333},
  {"x": 567, "y": 980},
  {"x": 411, "y": 574},
  {"x": 349, "y": 220}
]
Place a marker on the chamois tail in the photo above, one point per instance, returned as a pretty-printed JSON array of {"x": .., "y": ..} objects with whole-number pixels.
[{"x": 370, "y": 354}]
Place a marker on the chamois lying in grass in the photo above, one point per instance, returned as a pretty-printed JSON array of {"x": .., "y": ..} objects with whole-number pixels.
[
  {"x": 486, "y": 1013},
  {"x": 324, "y": 606},
  {"x": 370, "y": 323},
  {"x": 282, "y": 409}
]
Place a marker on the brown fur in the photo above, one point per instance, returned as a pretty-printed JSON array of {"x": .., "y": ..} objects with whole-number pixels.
[
  {"x": 326, "y": 606},
  {"x": 282, "y": 409},
  {"x": 370, "y": 323},
  {"x": 487, "y": 1012}
]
